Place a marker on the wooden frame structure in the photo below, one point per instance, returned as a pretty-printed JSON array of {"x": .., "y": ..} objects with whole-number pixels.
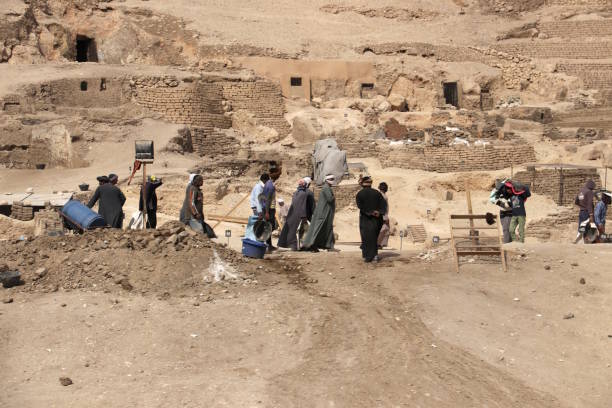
[{"x": 476, "y": 242}]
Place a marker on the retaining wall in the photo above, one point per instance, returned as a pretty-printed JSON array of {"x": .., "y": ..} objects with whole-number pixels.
[{"x": 560, "y": 185}]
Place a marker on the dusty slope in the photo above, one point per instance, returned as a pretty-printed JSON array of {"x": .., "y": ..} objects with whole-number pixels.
[
  {"x": 295, "y": 26},
  {"x": 316, "y": 336}
]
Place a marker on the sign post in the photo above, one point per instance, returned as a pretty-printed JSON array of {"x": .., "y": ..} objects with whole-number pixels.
[{"x": 228, "y": 234}]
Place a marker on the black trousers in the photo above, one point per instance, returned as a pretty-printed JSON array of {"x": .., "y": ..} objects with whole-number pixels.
[
  {"x": 369, "y": 228},
  {"x": 152, "y": 219}
]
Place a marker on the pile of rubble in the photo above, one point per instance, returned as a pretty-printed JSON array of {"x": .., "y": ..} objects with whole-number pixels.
[{"x": 171, "y": 259}]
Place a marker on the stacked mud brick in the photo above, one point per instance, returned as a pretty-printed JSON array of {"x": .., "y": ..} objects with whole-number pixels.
[
  {"x": 344, "y": 193},
  {"x": 213, "y": 143},
  {"x": 567, "y": 50},
  {"x": 21, "y": 212},
  {"x": 200, "y": 105},
  {"x": 560, "y": 185},
  {"x": 593, "y": 75},
  {"x": 444, "y": 159},
  {"x": 576, "y": 29},
  {"x": 48, "y": 222},
  {"x": 262, "y": 98}
]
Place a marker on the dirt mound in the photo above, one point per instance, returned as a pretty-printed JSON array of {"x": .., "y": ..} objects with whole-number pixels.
[{"x": 167, "y": 261}]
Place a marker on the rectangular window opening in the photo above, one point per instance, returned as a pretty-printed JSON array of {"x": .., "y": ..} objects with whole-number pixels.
[
  {"x": 86, "y": 50},
  {"x": 451, "y": 94},
  {"x": 103, "y": 84},
  {"x": 367, "y": 86},
  {"x": 296, "y": 81},
  {"x": 83, "y": 85}
]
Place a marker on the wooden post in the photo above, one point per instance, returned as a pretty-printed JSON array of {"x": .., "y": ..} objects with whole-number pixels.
[
  {"x": 144, "y": 196},
  {"x": 453, "y": 244},
  {"x": 501, "y": 244},
  {"x": 468, "y": 197}
]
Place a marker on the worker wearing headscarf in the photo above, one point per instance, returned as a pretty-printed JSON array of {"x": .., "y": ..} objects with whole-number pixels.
[
  {"x": 300, "y": 211},
  {"x": 371, "y": 206},
  {"x": 110, "y": 201},
  {"x": 321, "y": 232}
]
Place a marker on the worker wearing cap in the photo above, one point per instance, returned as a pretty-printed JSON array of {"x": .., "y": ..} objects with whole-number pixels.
[{"x": 151, "y": 197}]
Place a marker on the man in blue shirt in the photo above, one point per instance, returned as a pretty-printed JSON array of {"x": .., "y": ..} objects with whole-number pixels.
[{"x": 601, "y": 209}]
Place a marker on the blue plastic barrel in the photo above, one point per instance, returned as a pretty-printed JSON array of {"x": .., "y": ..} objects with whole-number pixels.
[
  {"x": 253, "y": 249},
  {"x": 81, "y": 216}
]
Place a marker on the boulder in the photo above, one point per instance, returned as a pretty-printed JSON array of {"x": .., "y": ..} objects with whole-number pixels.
[{"x": 397, "y": 102}]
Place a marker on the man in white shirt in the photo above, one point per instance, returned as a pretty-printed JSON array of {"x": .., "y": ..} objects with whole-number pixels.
[{"x": 256, "y": 204}]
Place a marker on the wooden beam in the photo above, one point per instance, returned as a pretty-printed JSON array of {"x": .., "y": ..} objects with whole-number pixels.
[{"x": 230, "y": 211}]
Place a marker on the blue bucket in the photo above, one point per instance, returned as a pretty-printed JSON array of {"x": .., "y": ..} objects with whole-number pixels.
[
  {"x": 82, "y": 217},
  {"x": 253, "y": 249}
]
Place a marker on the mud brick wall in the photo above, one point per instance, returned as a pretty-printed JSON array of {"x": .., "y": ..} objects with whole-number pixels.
[
  {"x": 561, "y": 186},
  {"x": 345, "y": 194},
  {"x": 262, "y": 98},
  {"x": 444, "y": 159},
  {"x": 567, "y": 50},
  {"x": 100, "y": 93},
  {"x": 359, "y": 149},
  {"x": 200, "y": 105},
  {"x": 213, "y": 142},
  {"x": 576, "y": 29},
  {"x": 578, "y": 2},
  {"x": 598, "y": 76}
]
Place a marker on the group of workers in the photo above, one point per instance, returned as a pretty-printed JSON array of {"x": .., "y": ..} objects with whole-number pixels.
[
  {"x": 111, "y": 199},
  {"x": 511, "y": 197},
  {"x": 596, "y": 214},
  {"x": 308, "y": 224}
]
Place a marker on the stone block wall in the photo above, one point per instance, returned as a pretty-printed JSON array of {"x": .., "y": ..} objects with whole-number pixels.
[
  {"x": 560, "y": 185},
  {"x": 567, "y": 50},
  {"x": 444, "y": 159}
]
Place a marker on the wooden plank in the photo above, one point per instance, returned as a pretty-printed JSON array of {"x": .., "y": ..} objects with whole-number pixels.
[
  {"x": 468, "y": 216},
  {"x": 475, "y": 228},
  {"x": 461, "y": 253},
  {"x": 223, "y": 218},
  {"x": 232, "y": 210}
]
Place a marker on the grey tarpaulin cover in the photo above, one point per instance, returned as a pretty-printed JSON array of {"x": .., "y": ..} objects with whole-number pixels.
[{"x": 328, "y": 159}]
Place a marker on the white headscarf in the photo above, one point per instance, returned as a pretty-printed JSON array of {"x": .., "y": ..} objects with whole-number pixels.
[
  {"x": 191, "y": 176},
  {"x": 307, "y": 180}
]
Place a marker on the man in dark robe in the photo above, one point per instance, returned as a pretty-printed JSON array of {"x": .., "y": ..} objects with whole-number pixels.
[
  {"x": 111, "y": 201},
  {"x": 301, "y": 210},
  {"x": 149, "y": 190},
  {"x": 192, "y": 212},
  {"x": 371, "y": 206},
  {"x": 321, "y": 232}
]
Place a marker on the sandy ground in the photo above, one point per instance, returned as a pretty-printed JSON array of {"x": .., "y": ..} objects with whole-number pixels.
[{"x": 406, "y": 332}]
